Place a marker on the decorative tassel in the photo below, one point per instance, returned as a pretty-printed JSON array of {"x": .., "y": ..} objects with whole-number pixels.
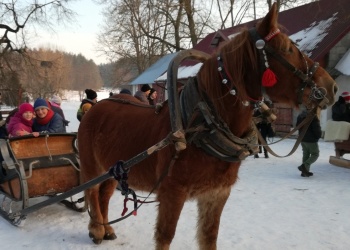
[{"x": 269, "y": 78}]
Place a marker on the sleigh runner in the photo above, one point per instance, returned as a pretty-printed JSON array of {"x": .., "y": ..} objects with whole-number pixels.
[{"x": 36, "y": 167}]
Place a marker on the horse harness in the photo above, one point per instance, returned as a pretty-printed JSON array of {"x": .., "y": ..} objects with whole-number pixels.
[
  {"x": 208, "y": 131},
  {"x": 203, "y": 126}
]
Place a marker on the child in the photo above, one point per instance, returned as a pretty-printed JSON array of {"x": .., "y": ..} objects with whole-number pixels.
[
  {"x": 46, "y": 120},
  {"x": 21, "y": 123}
]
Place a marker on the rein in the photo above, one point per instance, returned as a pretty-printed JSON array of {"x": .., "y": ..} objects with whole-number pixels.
[{"x": 304, "y": 125}]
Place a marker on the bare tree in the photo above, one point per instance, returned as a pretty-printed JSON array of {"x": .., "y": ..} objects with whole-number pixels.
[
  {"x": 143, "y": 30},
  {"x": 16, "y": 18}
]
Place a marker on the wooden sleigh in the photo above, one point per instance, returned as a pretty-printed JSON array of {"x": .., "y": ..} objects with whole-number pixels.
[
  {"x": 32, "y": 167},
  {"x": 338, "y": 132}
]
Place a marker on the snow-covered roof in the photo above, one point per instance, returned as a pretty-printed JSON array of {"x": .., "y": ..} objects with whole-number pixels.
[{"x": 149, "y": 76}]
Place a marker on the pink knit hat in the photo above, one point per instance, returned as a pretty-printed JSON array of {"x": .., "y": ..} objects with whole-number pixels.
[{"x": 25, "y": 107}]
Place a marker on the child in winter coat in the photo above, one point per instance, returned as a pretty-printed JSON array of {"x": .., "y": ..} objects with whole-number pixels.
[
  {"x": 46, "y": 120},
  {"x": 21, "y": 123}
]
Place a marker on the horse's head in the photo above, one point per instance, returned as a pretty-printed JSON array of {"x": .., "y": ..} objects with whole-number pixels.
[
  {"x": 299, "y": 79},
  {"x": 264, "y": 61}
]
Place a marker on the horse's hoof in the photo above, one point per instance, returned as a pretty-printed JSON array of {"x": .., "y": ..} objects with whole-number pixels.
[
  {"x": 111, "y": 236},
  {"x": 94, "y": 240}
]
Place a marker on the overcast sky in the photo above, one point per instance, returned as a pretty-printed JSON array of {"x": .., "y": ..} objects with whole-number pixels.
[{"x": 80, "y": 37}]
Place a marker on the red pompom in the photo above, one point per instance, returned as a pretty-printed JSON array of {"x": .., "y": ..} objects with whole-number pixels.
[{"x": 269, "y": 78}]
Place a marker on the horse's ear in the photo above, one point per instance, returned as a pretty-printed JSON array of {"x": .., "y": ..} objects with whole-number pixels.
[{"x": 269, "y": 22}]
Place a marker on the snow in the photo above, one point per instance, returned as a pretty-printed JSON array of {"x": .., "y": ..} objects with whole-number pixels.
[
  {"x": 270, "y": 207},
  {"x": 309, "y": 38}
]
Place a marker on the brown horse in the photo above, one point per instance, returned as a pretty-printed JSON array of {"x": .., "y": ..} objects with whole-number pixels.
[{"x": 114, "y": 130}]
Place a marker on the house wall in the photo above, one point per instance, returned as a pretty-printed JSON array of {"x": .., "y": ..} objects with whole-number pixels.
[
  {"x": 343, "y": 81},
  {"x": 337, "y": 52}
]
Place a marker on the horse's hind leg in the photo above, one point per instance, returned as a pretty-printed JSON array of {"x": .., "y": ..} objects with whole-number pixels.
[
  {"x": 106, "y": 191},
  {"x": 210, "y": 207},
  {"x": 171, "y": 201},
  {"x": 96, "y": 229}
]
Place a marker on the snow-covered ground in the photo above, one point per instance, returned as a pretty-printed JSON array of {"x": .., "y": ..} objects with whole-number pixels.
[{"x": 270, "y": 207}]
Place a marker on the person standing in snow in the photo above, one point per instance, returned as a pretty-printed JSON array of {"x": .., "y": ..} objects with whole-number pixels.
[
  {"x": 341, "y": 109},
  {"x": 309, "y": 143},
  {"x": 87, "y": 103}
]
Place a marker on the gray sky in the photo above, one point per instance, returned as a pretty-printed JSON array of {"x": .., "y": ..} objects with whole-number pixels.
[{"x": 80, "y": 37}]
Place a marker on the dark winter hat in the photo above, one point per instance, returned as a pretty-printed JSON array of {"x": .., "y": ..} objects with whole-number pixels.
[
  {"x": 125, "y": 91},
  {"x": 90, "y": 94},
  {"x": 40, "y": 103},
  {"x": 25, "y": 107},
  {"x": 151, "y": 92},
  {"x": 145, "y": 88}
]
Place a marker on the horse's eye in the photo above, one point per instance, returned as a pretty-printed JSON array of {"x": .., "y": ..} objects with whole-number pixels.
[{"x": 288, "y": 50}]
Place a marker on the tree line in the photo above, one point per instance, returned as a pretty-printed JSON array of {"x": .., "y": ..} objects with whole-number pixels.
[{"x": 43, "y": 73}]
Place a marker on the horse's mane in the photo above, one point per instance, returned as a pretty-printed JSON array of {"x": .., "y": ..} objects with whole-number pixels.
[
  {"x": 239, "y": 58},
  {"x": 242, "y": 65}
]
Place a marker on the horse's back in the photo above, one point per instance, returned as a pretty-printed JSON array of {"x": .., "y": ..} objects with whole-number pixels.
[{"x": 113, "y": 130}]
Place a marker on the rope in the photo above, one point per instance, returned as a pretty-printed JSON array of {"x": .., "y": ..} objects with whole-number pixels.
[{"x": 167, "y": 171}]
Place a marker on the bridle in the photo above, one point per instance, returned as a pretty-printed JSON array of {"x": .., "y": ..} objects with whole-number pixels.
[{"x": 317, "y": 93}]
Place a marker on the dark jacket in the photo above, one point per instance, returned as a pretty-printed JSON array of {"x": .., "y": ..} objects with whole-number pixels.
[
  {"x": 81, "y": 111},
  {"x": 341, "y": 110},
  {"x": 59, "y": 111},
  {"x": 55, "y": 125},
  {"x": 314, "y": 132}
]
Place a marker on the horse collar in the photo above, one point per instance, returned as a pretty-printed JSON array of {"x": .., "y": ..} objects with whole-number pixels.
[{"x": 206, "y": 129}]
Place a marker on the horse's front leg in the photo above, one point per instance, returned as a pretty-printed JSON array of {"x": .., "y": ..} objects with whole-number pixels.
[
  {"x": 210, "y": 206},
  {"x": 106, "y": 191},
  {"x": 171, "y": 201}
]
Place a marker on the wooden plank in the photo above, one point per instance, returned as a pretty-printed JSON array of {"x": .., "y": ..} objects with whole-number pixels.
[{"x": 32, "y": 147}]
